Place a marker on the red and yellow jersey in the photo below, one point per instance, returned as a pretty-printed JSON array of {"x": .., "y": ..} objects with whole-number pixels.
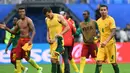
[
  {"x": 68, "y": 36},
  {"x": 105, "y": 26},
  {"x": 71, "y": 21}
]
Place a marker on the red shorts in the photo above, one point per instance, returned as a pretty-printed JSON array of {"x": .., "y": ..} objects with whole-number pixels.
[
  {"x": 89, "y": 49},
  {"x": 13, "y": 56},
  {"x": 20, "y": 53}
]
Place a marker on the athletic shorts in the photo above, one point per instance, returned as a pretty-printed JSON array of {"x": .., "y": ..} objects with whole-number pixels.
[
  {"x": 89, "y": 49},
  {"x": 107, "y": 53},
  {"x": 13, "y": 55},
  {"x": 20, "y": 53}
]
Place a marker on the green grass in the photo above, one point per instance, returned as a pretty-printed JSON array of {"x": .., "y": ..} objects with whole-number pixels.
[{"x": 89, "y": 68}]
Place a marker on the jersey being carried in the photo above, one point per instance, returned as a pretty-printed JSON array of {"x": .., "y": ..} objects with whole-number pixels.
[
  {"x": 88, "y": 30},
  {"x": 54, "y": 26},
  {"x": 105, "y": 26},
  {"x": 15, "y": 38}
]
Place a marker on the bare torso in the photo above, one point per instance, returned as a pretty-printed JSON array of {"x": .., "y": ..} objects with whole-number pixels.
[{"x": 24, "y": 27}]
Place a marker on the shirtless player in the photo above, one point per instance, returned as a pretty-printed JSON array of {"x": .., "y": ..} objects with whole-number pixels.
[{"x": 25, "y": 26}]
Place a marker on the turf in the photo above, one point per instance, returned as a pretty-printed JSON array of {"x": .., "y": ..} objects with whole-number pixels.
[{"x": 89, "y": 68}]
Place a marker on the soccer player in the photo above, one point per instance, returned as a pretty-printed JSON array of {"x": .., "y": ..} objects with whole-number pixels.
[
  {"x": 24, "y": 44},
  {"x": 88, "y": 29},
  {"x": 55, "y": 23},
  {"x": 13, "y": 39},
  {"x": 69, "y": 43},
  {"x": 107, "y": 47}
]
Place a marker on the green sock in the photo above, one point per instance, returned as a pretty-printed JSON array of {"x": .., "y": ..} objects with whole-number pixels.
[
  {"x": 116, "y": 68},
  {"x": 98, "y": 68},
  {"x": 54, "y": 68},
  {"x": 58, "y": 68}
]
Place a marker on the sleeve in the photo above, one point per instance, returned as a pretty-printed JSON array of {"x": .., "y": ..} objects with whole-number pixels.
[
  {"x": 96, "y": 25},
  {"x": 97, "y": 30},
  {"x": 112, "y": 23},
  {"x": 78, "y": 31}
]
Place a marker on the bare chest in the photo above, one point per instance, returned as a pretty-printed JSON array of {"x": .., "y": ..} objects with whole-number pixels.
[{"x": 23, "y": 24}]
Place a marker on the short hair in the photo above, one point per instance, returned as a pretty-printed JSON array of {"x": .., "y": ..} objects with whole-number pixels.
[
  {"x": 103, "y": 6},
  {"x": 21, "y": 8},
  {"x": 87, "y": 12},
  {"x": 46, "y": 9}
]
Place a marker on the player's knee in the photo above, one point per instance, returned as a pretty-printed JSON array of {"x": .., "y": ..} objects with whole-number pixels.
[
  {"x": 27, "y": 59},
  {"x": 99, "y": 62},
  {"x": 53, "y": 60},
  {"x": 114, "y": 64},
  {"x": 13, "y": 62}
]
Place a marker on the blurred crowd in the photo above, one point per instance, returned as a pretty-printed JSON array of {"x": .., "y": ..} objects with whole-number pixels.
[{"x": 123, "y": 35}]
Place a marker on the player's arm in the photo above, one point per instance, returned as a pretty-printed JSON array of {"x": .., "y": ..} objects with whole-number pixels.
[
  {"x": 48, "y": 39},
  {"x": 9, "y": 43},
  {"x": 32, "y": 28},
  {"x": 64, "y": 23},
  {"x": 97, "y": 30},
  {"x": 3, "y": 26},
  {"x": 96, "y": 38},
  {"x": 48, "y": 35},
  {"x": 113, "y": 32},
  {"x": 78, "y": 31}
]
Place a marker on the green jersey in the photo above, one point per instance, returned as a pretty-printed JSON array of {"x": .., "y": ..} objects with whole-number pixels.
[{"x": 14, "y": 39}]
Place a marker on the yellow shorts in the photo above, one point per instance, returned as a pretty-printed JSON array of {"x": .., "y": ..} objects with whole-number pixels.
[
  {"x": 107, "y": 53},
  {"x": 52, "y": 50}
]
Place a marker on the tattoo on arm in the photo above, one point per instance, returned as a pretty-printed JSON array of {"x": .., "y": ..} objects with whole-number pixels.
[{"x": 113, "y": 32}]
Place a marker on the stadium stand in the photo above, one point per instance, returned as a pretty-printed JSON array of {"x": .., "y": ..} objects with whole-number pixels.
[
  {"x": 5, "y": 10},
  {"x": 116, "y": 10}
]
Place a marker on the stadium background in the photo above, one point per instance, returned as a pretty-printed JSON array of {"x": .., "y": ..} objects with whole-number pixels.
[{"x": 119, "y": 9}]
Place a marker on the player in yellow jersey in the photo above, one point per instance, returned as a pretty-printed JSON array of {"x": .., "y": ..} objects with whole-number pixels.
[
  {"x": 107, "y": 47},
  {"x": 55, "y": 23}
]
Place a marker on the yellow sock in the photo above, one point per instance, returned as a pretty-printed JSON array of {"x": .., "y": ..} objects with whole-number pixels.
[
  {"x": 22, "y": 67},
  {"x": 63, "y": 67},
  {"x": 18, "y": 66},
  {"x": 15, "y": 70},
  {"x": 101, "y": 71},
  {"x": 82, "y": 64},
  {"x": 74, "y": 65},
  {"x": 33, "y": 63}
]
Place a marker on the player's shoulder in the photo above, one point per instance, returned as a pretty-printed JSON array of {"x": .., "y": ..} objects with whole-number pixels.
[
  {"x": 18, "y": 21},
  {"x": 93, "y": 20},
  {"x": 99, "y": 19},
  {"x": 110, "y": 18},
  {"x": 81, "y": 22},
  {"x": 28, "y": 19},
  {"x": 59, "y": 16}
]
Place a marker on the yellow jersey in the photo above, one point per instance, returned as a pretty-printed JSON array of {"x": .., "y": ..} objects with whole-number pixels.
[
  {"x": 54, "y": 26},
  {"x": 105, "y": 26}
]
